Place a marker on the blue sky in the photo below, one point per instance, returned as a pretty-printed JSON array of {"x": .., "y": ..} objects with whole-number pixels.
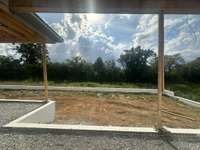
[{"x": 93, "y": 35}]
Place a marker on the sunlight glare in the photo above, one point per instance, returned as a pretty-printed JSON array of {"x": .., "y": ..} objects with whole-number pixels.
[{"x": 94, "y": 18}]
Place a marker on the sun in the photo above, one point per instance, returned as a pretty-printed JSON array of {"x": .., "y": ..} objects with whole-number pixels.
[{"x": 94, "y": 18}]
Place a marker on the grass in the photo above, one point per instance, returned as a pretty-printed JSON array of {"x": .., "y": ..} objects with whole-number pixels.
[{"x": 189, "y": 90}]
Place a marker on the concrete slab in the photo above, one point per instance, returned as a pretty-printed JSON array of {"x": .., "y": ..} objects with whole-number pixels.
[
  {"x": 23, "y": 101},
  {"x": 43, "y": 114},
  {"x": 10, "y": 111}
]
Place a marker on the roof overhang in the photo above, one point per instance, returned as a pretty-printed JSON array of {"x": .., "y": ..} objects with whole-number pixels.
[
  {"x": 107, "y": 6},
  {"x": 24, "y": 27}
]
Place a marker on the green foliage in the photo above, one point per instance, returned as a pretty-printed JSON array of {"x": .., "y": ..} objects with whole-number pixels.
[
  {"x": 173, "y": 67},
  {"x": 99, "y": 69},
  {"x": 112, "y": 72},
  {"x": 11, "y": 69},
  {"x": 31, "y": 59},
  {"x": 31, "y": 53},
  {"x": 135, "y": 63},
  {"x": 191, "y": 71},
  {"x": 186, "y": 90},
  {"x": 79, "y": 69}
]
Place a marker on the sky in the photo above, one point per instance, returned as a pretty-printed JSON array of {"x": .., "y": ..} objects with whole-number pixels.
[{"x": 108, "y": 35}]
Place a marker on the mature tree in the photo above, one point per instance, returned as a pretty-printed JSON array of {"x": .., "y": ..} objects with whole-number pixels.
[
  {"x": 113, "y": 73},
  {"x": 79, "y": 69},
  {"x": 173, "y": 62},
  {"x": 135, "y": 63},
  {"x": 31, "y": 53},
  {"x": 173, "y": 67},
  {"x": 191, "y": 71},
  {"x": 11, "y": 69},
  {"x": 99, "y": 69},
  {"x": 31, "y": 58}
]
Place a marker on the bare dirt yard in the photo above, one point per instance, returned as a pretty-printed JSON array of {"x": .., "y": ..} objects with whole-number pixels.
[{"x": 113, "y": 109}]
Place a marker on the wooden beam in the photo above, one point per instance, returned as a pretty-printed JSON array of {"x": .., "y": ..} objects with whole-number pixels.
[
  {"x": 16, "y": 30},
  {"x": 10, "y": 21},
  {"x": 163, "y": 71},
  {"x": 45, "y": 72},
  {"x": 12, "y": 32},
  {"x": 160, "y": 64},
  {"x": 106, "y": 6}
]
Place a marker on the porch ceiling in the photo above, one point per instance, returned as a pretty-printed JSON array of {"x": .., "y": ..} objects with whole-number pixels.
[
  {"x": 106, "y": 6},
  {"x": 20, "y": 28}
]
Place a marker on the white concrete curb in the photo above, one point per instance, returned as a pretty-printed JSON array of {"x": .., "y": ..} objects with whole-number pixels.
[
  {"x": 23, "y": 101},
  {"x": 83, "y": 127},
  {"x": 79, "y": 89},
  {"x": 167, "y": 92},
  {"x": 182, "y": 130},
  {"x": 184, "y": 100}
]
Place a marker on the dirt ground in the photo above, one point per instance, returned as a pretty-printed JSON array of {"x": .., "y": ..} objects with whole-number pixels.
[{"x": 114, "y": 109}]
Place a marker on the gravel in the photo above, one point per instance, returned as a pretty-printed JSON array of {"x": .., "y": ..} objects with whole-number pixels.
[
  {"x": 55, "y": 141},
  {"x": 10, "y": 111}
]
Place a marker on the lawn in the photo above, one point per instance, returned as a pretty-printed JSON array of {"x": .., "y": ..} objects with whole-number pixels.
[{"x": 188, "y": 90}]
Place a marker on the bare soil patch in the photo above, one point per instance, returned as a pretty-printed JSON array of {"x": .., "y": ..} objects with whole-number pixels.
[{"x": 113, "y": 109}]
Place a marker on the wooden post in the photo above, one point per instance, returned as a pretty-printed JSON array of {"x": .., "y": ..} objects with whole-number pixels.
[
  {"x": 160, "y": 65},
  {"x": 45, "y": 71}
]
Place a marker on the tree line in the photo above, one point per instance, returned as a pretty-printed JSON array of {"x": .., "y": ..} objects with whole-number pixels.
[{"x": 135, "y": 65}]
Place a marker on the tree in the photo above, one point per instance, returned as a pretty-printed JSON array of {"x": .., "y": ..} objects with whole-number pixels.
[
  {"x": 191, "y": 71},
  {"x": 113, "y": 73},
  {"x": 11, "y": 69},
  {"x": 79, "y": 69},
  {"x": 173, "y": 62},
  {"x": 173, "y": 67},
  {"x": 31, "y": 53},
  {"x": 99, "y": 69},
  {"x": 31, "y": 58},
  {"x": 135, "y": 63}
]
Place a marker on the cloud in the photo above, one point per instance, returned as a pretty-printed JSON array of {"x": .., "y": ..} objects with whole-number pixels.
[
  {"x": 147, "y": 32},
  {"x": 88, "y": 40},
  {"x": 8, "y": 50},
  {"x": 90, "y": 35},
  {"x": 182, "y": 35}
]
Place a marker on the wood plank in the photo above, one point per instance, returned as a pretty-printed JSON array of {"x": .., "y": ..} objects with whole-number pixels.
[
  {"x": 160, "y": 65},
  {"x": 16, "y": 30},
  {"x": 9, "y": 37},
  {"x": 45, "y": 71},
  {"x": 4, "y": 5},
  {"x": 8, "y": 20},
  {"x": 12, "y": 32},
  {"x": 106, "y": 6}
]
